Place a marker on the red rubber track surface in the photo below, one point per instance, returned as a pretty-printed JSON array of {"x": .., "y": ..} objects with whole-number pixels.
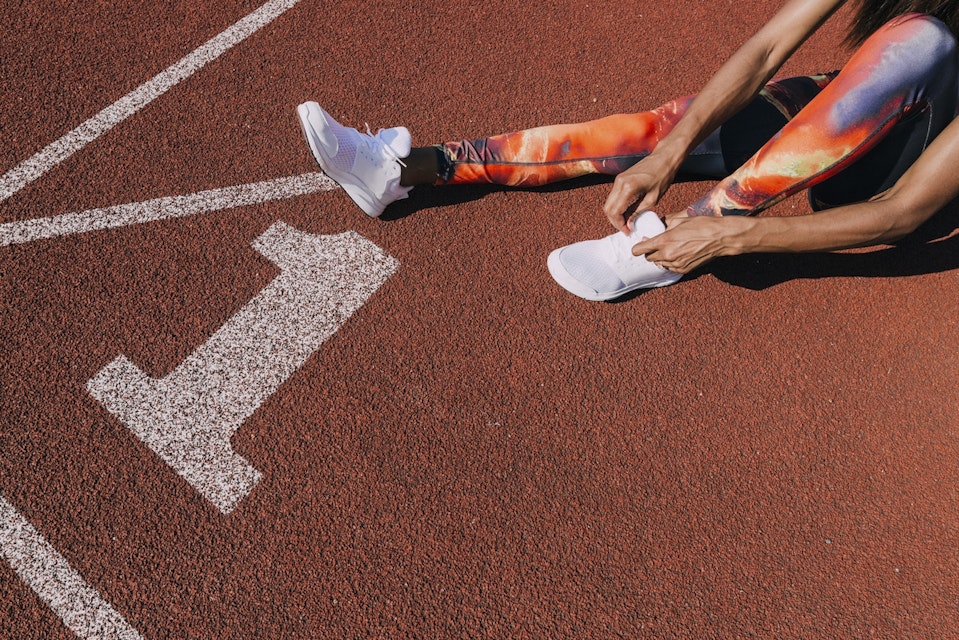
[{"x": 769, "y": 448}]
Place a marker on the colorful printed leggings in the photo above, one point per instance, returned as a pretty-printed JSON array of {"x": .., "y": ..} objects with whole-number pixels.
[{"x": 846, "y": 135}]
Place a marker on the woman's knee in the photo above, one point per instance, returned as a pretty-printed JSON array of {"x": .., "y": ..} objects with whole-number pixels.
[
  {"x": 920, "y": 43},
  {"x": 911, "y": 60}
]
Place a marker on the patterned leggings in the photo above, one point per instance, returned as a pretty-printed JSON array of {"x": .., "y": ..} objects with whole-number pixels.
[{"x": 845, "y": 136}]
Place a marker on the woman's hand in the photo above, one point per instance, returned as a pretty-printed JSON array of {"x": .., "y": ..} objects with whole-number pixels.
[
  {"x": 643, "y": 184},
  {"x": 690, "y": 242}
]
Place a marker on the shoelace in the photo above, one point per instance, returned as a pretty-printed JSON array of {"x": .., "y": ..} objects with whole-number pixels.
[{"x": 369, "y": 141}]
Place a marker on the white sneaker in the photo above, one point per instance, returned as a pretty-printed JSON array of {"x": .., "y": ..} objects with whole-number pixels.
[
  {"x": 606, "y": 269},
  {"x": 366, "y": 166}
]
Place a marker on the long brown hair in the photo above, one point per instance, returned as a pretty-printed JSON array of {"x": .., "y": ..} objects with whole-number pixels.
[{"x": 872, "y": 14}]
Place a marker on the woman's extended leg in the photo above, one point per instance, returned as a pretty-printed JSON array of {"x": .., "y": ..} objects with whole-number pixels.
[
  {"x": 863, "y": 130},
  {"x": 376, "y": 170},
  {"x": 610, "y": 145},
  {"x": 548, "y": 154}
]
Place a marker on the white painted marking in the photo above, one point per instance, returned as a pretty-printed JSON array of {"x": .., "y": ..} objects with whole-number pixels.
[
  {"x": 188, "y": 416},
  {"x": 162, "y": 208},
  {"x": 81, "y": 608},
  {"x": 56, "y": 152}
]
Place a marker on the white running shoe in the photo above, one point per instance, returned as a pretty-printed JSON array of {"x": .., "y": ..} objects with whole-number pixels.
[
  {"x": 606, "y": 269},
  {"x": 366, "y": 166}
]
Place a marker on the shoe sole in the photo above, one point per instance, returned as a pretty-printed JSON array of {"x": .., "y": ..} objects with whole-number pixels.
[
  {"x": 344, "y": 179},
  {"x": 574, "y": 286}
]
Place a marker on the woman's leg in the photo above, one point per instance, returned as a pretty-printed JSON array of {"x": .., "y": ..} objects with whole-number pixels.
[
  {"x": 861, "y": 132},
  {"x": 610, "y": 145},
  {"x": 376, "y": 170},
  {"x": 544, "y": 155}
]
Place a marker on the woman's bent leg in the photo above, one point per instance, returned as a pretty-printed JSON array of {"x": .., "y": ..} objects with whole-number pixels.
[{"x": 903, "y": 76}]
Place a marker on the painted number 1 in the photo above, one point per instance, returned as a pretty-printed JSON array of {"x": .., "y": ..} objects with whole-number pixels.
[{"x": 188, "y": 416}]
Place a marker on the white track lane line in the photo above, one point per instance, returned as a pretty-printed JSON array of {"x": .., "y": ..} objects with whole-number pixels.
[
  {"x": 162, "y": 208},
  {"x": 81, "y": 608},
  {"x": 188, "y": 416},
  {"x": 57, "y": 152}
]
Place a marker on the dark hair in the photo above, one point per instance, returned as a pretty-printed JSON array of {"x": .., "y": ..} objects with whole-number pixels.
[{"x": 872, "y": 14}]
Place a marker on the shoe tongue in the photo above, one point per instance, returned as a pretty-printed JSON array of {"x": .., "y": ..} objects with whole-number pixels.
[
  {"x": 398, "y": 139},
  {"x": 646, "y": 225},
  {"x": 619, "y": 251}
]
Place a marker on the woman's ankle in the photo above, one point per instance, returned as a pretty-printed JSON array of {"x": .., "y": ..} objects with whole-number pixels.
[{"x": 422, "y": 166}]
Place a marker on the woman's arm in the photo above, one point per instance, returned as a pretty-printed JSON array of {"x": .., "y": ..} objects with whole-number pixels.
[
  {"x": 930, "y": 184},
  {"x": 736, "y": 82}
]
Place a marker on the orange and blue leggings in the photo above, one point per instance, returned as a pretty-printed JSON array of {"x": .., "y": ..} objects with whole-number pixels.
[{"x": 845, "y": 136}]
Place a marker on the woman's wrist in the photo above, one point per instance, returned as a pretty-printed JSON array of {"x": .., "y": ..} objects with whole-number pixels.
[
  {"x": 740, "y": 235},
  {"x": 672, "y": 151}
]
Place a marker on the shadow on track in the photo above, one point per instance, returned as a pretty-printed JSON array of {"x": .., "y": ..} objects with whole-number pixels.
[
  {"x": 932, "y": 248},
  {"x": 428, "y": 197}
]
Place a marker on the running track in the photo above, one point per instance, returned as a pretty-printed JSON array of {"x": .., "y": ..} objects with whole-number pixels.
[{"x": 232, "y": 406}]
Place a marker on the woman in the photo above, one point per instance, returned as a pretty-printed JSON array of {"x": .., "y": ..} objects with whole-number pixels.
[{"x": 875, "y": 144}]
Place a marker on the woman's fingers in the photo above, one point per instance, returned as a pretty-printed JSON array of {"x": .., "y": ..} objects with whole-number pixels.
[
  {"x": 687, "y": 243},
  {"x": 629, "y": 197},
  {"x": 617, "y": 202},
  {"x": 636, "y": 190}
]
